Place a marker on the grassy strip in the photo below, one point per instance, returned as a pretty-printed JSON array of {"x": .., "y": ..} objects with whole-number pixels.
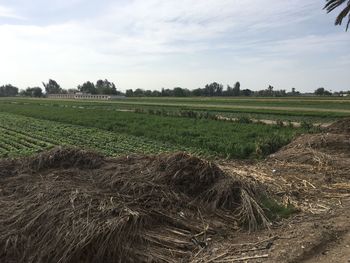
[
  {"x": 271, "y": 114},
  {"x": 302, "y": 102}
]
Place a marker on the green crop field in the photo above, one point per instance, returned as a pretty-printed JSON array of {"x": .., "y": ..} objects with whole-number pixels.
[
  {"x": 312, "y": 109},
  {"x": 29, "y": 126},
  {"x": 22, "y": 136}
]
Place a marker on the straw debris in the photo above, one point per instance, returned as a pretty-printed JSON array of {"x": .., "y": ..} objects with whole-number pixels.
[{"x": 69, "y": 205}]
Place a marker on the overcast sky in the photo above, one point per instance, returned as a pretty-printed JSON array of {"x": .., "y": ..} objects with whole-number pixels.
[{"x": 152, "y": 44}]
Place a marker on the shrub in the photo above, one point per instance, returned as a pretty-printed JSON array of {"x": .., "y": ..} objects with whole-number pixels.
[
  {"x": 244, "y": 119},
  {"x": 269, "y": 145},
  {"x": 279, "y": 123},
  {"x": 275, "y": 210},
  {"x": 306, "y": 125}
]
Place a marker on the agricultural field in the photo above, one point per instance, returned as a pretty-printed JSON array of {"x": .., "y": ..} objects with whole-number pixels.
[
  {"x": 22, "y": 136},
  {"x": 194, "y": 132},
  {"x": 275, "y": 166},
  {"x": 175, "y": 207},
  {"x": 316, "y": 110}
]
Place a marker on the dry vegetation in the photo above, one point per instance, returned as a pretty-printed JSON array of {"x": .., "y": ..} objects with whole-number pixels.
[{"x": 69, "y": 205}]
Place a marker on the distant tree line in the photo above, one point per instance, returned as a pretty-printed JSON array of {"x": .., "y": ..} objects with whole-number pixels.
[
  {"x": 211, "y": 90},
  {"x": 8, "y": 91},
  {"x": 36, "y": 92},
  {"x": 322, "y": 92},
  {"x": 101, "y": 87},
  {"x": 217, "y": 90},
  {"x": 52, "y": 87},
  {"x": 109, "y": 88}
]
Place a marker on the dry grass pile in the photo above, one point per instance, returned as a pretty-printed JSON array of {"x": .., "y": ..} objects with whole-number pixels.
[
  {"x": 322, "y": 150},
  {"x": 64, "y": 158},
  {"x": 341, "y": 127},
  {"x": 69, "y": 205},
  {"x": 8, "y": 167}
]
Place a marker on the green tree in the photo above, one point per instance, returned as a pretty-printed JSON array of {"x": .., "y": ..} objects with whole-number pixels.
[
  {"x": 139, "y": 93},
  {"x": 322, "y": 92},
  {"x": 213, "y": 89},
  {"x": 36, "y": 92},
  {"x": 129, "y": 93},
  {"x": 72, "y": 91},
  {"x": 237, "y": 89},
  {"x": 148, "y": 93},
  {"x": 156, "y": 93},
  {"x": 8, "y": 91},
  {"x": 87, "y": 87},
  {"x": 106, "y": 87},
  {"x": 197, "y": 92},
  {"x": 179, "y": 92},
  {"x": 247, "y": 92},
  {"x": 229, "y": 91},
  {"x": 52, "y": 87},
  {"x": 270, "y": 90},
  {"x": 334, "y": 4}
]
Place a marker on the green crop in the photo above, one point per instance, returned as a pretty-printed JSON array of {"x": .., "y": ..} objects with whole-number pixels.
[
  {"x": 20, "y": 136},
  {"x": 117, "y": 132}
]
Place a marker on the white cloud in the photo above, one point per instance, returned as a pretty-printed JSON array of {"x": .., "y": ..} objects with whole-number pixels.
[
  {"x": 165, "y": 26},
  {"x": 164, "y": 41},
  {"x": 6, "y": 12},
  {"x": 170, "y": 26}
]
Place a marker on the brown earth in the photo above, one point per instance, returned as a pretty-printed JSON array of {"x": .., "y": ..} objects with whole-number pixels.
[
  {"x": 69, "y": 205},
  {"x": 312, "y": 173},
  {"x": 341, "y": 126}
]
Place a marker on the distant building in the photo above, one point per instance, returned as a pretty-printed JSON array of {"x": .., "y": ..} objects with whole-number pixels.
[{"x": 84, "y": 96}]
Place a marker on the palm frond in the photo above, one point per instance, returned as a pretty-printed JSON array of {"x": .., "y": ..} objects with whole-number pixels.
[{"x": 333, "y": 4}]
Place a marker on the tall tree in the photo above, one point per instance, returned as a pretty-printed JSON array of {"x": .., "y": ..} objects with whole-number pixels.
[
  {"x": 229, "y": 91},
  {"x": 8, "y": 91},
  {"x": 129, "y": 93},
  {"x": 247, "y": 92},
  {"x": 87, "y": 87},
  {"x": 322, "y": 92},
  {"x": 106, "y": 87},
  {"x": 237, "y": 89},
  {"x": 333, "y": 4},
  {"x": 179, "y": 92},
  {"x": 32, "y": 92},
  {"x": 213, "y": 89},
  {"x": 139, "y": 93},
  {"x": 52, "y": 87},
  {"x": 270, "y": 90}
]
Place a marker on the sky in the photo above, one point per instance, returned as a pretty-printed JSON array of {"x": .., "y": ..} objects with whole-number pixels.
[{"x": 154, "y": 44}]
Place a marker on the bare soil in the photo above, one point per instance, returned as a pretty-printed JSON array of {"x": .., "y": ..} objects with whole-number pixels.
[
  {"x": 313, "y": 174},
  {"x": 273, "y": 122}
]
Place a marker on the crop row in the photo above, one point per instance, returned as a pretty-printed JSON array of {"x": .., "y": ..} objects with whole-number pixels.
[
  {"x": 212, "y": 137},
  {"x": 24, "y": 135},
  {"x": 324, "y": 111}
]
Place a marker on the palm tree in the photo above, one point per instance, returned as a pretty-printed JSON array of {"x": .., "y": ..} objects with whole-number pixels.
[{"x": 333, "y": 4}]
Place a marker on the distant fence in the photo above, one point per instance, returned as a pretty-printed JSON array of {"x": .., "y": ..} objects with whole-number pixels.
[{"x": 84, "y": 97}]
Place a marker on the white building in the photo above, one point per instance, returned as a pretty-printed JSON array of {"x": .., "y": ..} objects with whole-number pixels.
[{"x": 84, "y": 96}]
